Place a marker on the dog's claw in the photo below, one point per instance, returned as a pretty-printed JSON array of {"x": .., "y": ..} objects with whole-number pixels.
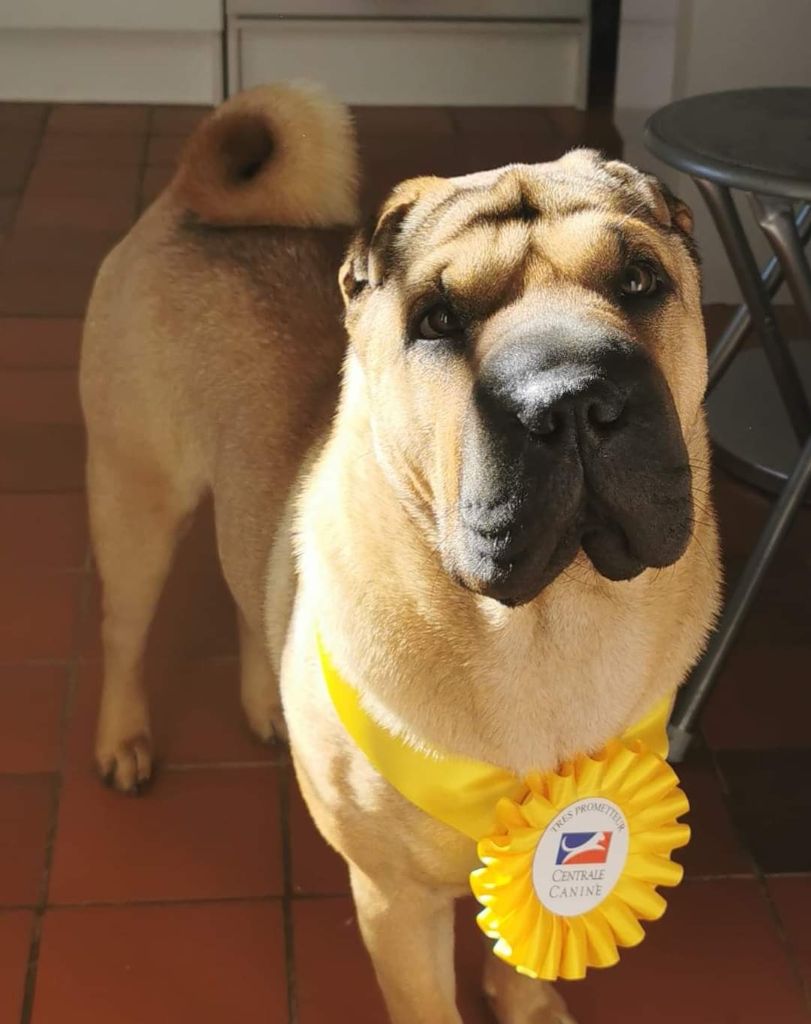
[{"x": 126, "y": 766}]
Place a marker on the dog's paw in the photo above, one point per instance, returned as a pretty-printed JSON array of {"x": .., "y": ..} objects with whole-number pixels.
[
  {"x": 517, "y": 999},
  {"x": 266, "y": 721},
  {"x": 123, "y": 742},
  {"x": 127, "y": 764}
]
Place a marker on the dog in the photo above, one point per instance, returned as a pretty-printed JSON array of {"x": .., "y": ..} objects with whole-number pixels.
[{"x": 486, "y": 494}]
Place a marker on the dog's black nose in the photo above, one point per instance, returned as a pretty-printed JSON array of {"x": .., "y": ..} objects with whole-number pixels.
[
  {"x": 555, "y": 389},
  {"x": 569, "y": 400}
]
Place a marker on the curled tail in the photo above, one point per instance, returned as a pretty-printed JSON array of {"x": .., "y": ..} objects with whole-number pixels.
[{"x": 278, "y": 154}]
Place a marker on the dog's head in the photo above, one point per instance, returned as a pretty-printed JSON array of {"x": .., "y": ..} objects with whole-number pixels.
[{"x": 533, "y": 352}]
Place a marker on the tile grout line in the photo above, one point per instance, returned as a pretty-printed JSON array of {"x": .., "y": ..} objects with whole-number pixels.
[
  {"x": 72, "y": 668},
  {"x": 762, "y": 881},
  {"x": 35, "y": 150},
  {"x": 139, "y": 188},
  {"x": 287, "y": 895},
  {"x": 785, "y": 943},
  {"x": 36, "y": 928},
  {"x": 192, "y": 901}
]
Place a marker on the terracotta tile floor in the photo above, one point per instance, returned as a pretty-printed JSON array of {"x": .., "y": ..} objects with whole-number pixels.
[{"x": 213, "y": 899}]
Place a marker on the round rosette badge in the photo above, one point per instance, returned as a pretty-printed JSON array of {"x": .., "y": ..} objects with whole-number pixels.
[{"x": 574, "y": 867}]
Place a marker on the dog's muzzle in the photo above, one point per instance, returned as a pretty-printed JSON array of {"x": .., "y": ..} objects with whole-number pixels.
[{"x": 572, "y": 442}]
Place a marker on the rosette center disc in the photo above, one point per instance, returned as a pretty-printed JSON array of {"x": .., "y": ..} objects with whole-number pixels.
[{"x": 580, "y": 856}]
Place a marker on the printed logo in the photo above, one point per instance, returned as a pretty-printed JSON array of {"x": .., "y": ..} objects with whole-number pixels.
[
  {"x": 584, "y": 848},
  {"x": 580, "y": 856}
]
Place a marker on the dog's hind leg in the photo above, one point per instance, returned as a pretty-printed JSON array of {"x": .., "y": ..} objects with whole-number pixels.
[
  {"x": 408, "y": 930},
  {"x": 257, "y": 561},
  {"x": 137, "y": 512},
  {"x": 259, "y": 685}
]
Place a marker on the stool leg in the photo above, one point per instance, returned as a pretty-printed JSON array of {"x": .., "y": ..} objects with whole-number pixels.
[
  {"x": 776, "y": 218},
  {"x": 756, "y": 297},
  {"x": 693, "y": 695},
  {"x": 726, "y": 347}
]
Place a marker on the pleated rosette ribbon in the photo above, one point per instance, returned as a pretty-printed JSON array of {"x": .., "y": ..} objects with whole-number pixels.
[{"x": 573, "y": 868}]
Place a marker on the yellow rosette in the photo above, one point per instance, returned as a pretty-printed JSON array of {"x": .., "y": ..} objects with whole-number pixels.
[{"x": 573, "y": 867}]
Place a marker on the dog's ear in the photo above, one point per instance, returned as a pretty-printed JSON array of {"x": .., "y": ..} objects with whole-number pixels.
[
  {"x": 668, "y": 209},
  {"x": 681, "y": 216},
  {"x": 372, "y": 254}
]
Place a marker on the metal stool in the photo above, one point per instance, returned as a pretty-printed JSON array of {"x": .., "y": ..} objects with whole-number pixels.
[{"x": 758, "y": 141}]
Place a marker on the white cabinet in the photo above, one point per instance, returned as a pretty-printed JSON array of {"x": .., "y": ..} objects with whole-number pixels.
[
  {"x": 465, "y": 52},
  {"x": 130, "y": 51},
  {"x": 113, "y": 15}
]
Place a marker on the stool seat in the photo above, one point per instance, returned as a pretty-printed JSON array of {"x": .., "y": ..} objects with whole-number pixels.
[{"x": 753, "y": 139}]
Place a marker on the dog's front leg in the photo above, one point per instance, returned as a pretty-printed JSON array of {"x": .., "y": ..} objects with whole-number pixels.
[{"x": 408, "y": 930}]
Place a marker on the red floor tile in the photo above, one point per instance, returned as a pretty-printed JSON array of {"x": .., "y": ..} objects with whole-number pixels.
[
  {"x": 81, "y": 181},
  {"x": 32, "y": 697},
  {"x": 761, "y": 699},
  {"x": 196, "y": 714},
  {"x": 34, "y": 342},
  {"x": 483, "y": 151},
  {"x": 37, "y": 457},
  {"x": 381, "y": 124},
  {"x": 52, "y": 292},
  {"x": 18, "y": 154},
  {"x": 103, "y": 118},
  {"x": 317, "y": 868},
  {"x": 26, "y": 806},
  {"x": 779, "y": 615},
  {"x": 792, "y": 897},
  {"x": 91, "y": 148},
  {"x": 40, "y": 396},
  {"x": 165, "y": 149},
  {"x": 37, "y": 614},
  {"x": 177, "y": 120},
  {"x": 207, "y": 964},
  {"x": 155, "y": 180},
  {"x": 472, "y": 949},
  {"x": 769, "y": 793},
  {"x": 585, "y": 128},
  {"x": 21, "y": 116},
  {"x": 714, "y": 848},
  {"x": 197, "y": 834},
  {"x": 15, "y": 939},
  {"x": 98, "y": 213},
  {"x": 8, "y": 206},
  {"x": 49, "y": 530},
  {"x": 402, "y": 158},
  {"x": 715, "y": 958},
  {"x": 502, "y": 120},
  {"x": 334, "y": 976},
  {"x": 44, "y": 251}
]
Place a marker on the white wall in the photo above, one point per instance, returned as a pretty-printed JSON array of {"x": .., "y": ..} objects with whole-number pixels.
[
  {"x": 111, "y": 50},
  {"x": 113, "y": 15},
  {"x": 675, "y": 48}
]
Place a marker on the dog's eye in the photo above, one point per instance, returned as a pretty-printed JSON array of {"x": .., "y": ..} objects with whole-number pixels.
[
  {"x": 639, "y": 279},
  {"x": 439, "y": 322}
]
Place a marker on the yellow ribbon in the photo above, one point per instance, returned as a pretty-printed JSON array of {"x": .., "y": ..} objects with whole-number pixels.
[
  {"x": 458, "y": 791},
  {"x": 518, "y": 824}
]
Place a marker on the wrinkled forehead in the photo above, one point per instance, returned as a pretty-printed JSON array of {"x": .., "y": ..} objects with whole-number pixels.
[{"x": 579, "y": 182}]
